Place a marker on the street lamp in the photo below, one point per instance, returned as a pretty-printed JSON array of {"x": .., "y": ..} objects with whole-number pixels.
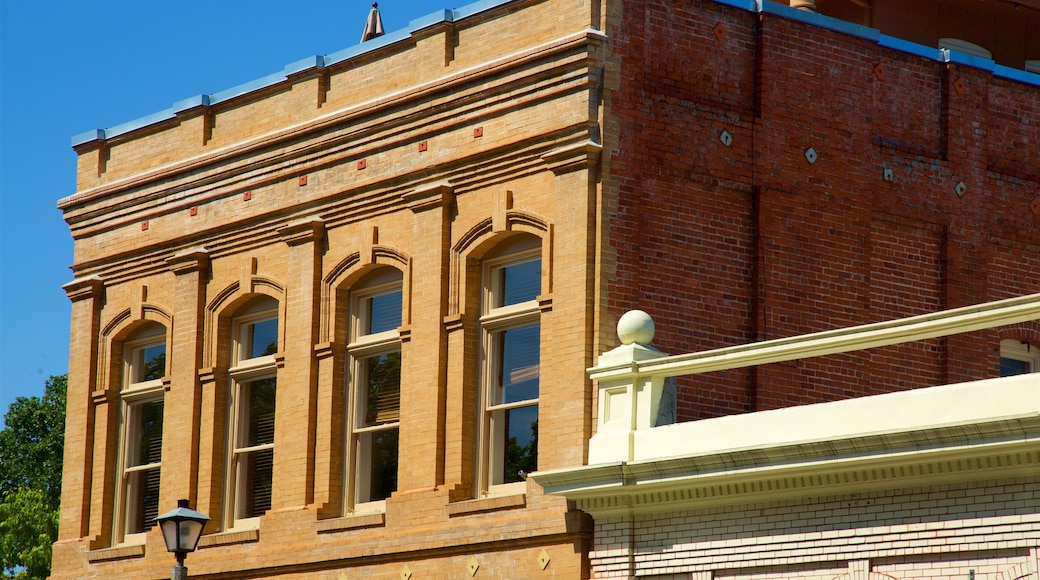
[{"x": 181, "y": 530}]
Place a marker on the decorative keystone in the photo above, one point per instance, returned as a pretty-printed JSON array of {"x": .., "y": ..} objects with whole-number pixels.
[
  {"x": 144, "y": 225},
  {"x": 247, "y": 195},
  {"x": 193, "y": 210},
  {"x": 422, "y": 146},
  {"x": 543, "y": 559},
  {"x": 361, "y": 164},
  {"x": 726, "y": 138},
  {"x": 478, "y": 132},
  {"x": 811, "y": 156},
  {"x": 472, "y": 566},
  {"x": 961, "y": 189},
  {"x": 302, "y": 181},
  {"x": 889, "y": 175},
  {"x": 720, "y": 32}
]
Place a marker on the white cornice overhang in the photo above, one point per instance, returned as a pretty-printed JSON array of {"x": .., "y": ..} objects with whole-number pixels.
[{"x": 971, "y": 431}]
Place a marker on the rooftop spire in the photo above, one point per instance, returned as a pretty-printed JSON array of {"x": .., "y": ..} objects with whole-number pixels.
[{"x": 374, "y": 24}]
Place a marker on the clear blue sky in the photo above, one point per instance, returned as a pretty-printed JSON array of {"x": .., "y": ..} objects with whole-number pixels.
[{"x": 71, "y": 66}]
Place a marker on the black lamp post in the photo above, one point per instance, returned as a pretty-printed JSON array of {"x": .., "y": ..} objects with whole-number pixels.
[{"x": 181, "y": 529}]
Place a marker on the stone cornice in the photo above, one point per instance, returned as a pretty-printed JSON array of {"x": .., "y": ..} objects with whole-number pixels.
[
  {"x": 196, "y": 260},
  {"x": 86, "y": 287},
  {"x": 573, "y": 157},
  {"x": 466, "y": 77},
  {"x": 429, "y": 196},
  {"x": 303, "y": 231}
]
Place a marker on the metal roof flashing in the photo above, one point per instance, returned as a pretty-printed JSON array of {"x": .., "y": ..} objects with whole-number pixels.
[{"x": 298, "y": 66}]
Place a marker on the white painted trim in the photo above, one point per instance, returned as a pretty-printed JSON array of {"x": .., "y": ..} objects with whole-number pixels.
[{"x": 958, "y": 320}]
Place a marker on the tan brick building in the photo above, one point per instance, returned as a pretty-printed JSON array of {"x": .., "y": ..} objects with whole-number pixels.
[{"x": 346, "y": 309}]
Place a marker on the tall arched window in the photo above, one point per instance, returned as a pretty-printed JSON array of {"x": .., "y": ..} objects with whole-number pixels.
[
  {"x": 374, "y": 388},
  {"x": 252, "y": 412},
  {"x": 140, "y": 455},
  {"x": 510, "y": 354}
]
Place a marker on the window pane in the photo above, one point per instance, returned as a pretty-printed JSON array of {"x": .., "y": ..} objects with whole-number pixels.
[
  {"x": 1010, "y": 367},
  {"x": 518, "y": 364},
  {"x": 263, "y": 338},
  {"x": 519, "y": 282},
  {"x": 143, "y": 500},
  {"x": 257, "y": 469},
  {"x": 259, "y": 397},
  {"x": 379, "y": 450},
  {"x": 384, "y": 312},
  {"x": 520, "y": 451},
  {"x": 147, "y": 425},
  {"x": 383, "y": 397},
  {"x": 150, "y": 363}
]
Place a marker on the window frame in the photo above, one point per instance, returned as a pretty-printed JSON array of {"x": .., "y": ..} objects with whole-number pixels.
[
  {"x": 134, "y": 394},
  {"x": 361, "y": 348},
  {"x": 242, "y": 373},
  {"x": 494, "y": 321},
  {"x": 1020, "y": 350}
]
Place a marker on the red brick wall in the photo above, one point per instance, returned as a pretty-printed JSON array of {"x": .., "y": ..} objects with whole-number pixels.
[{"x": 728, "y": 244}]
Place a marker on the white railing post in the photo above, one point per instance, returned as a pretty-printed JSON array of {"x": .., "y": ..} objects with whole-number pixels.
[{"x": 629, "y": 400}]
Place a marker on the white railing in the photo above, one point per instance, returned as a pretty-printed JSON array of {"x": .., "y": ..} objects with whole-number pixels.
[{"x": 635, "y": 389}]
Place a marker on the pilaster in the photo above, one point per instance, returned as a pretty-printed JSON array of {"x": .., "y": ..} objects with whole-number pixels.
[
  {"x": 86, "y": 295},
  {"x": 424, "y": 376},
  {"x": 297, "y": 403},
  {"x": 182, "y": 409}
]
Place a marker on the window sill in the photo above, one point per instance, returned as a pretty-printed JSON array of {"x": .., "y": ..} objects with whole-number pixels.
[
  {"x": 230, "y": 537},
  {"x": 352, "y": 522},
  {"x": 487, "y": 504},
  {"x": 116, "y": 553}
]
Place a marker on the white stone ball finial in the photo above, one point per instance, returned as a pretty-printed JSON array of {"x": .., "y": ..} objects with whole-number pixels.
[{"x": 635, "y": 326}]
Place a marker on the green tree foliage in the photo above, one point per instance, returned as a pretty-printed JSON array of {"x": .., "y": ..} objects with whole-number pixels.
[
  {"x": 28, "y": 527},
  {"x": 31, "y": 447}
]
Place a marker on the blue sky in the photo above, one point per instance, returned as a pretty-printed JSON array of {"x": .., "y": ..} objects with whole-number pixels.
[{"x": 71, "y": 66}]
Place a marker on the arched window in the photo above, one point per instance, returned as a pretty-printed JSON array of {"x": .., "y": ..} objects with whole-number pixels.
[
  {"x": 140, "y": 455},
  {"x": 373, "y": 388},
  {"x": 252, "y": 412},
  {"x": 1018, "y": 357},
  {"x": 510, "y": 354},
  {"x": 965, "y": 47}
]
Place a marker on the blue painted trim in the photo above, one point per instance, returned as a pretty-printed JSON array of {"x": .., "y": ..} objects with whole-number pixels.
[
  {"x": 749, "y": 5},
  {"x": 191, "y": 103},
  {"x": 820, "y": 20},
  {"x": 301, "y": 65},
  {"x": 476, "y": 8},
  {"x": 95, "y": 135},
  {"x": 1016, "y": 74},
  {"x": 431, "y": 20},
  {"x": 967, "y": 59},
  {"x": 929, "y": 52}
]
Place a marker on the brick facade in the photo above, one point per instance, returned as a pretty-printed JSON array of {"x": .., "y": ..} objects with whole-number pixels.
[
  {"x": 657, "y": 153},
  {"x": 726, "y": 243}
]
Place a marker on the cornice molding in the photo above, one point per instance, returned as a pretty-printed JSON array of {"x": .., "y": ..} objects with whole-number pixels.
[
  {"x": 195, "y": 260},
  {"x": 86, "y": 287}
]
